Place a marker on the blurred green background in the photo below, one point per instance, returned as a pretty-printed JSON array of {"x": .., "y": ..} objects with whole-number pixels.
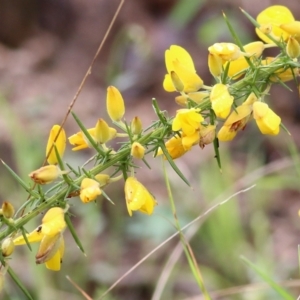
[{"x": 45, "y": 49}]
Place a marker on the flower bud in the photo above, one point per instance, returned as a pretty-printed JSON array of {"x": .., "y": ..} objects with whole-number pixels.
[
  {"x": 115, "y": 104},
  {"x": 7, "y": 210},
  {"x": 102, "y": 133},
  {"x": 7, "y": 247},
  {"x": 46, "y": 174},
  {"x": 292, "y": 48},
  {"x": 136, "y": 125},
  {"x": 137, "y": 150},
  {"x": 60, "y": 144}
]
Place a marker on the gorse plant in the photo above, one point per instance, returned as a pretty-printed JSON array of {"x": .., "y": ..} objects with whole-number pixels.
[{"x": 209, "y": 114}]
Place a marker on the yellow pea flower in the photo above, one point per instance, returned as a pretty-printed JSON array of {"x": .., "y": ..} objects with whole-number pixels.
[
  {"x": 90, "y": 190},
  {"x": 137, "y": 150},
  {"x": 267, "y": 121},
  {"x": 176, "y": 147},
  {"x": 236, "y": 121},
  {"x": 239, "y": 65},
  {"x": 292, "y": 28},
  {"x": 46, "y": 174},
  {"x": 49, "y": 234},
  {"x": 115, "y": 104},
  {"x": 225, "y": 51},
  {"x": 187, "y": 120},
  {"x": 221, "y": 100},
  {"x": 179, "y": 61},
  {"x": 137, "y": 197},
  {"x": 79, "y": 140},
  {"x": 273, "y": 17},
  {"x": 60, "y": 144}
]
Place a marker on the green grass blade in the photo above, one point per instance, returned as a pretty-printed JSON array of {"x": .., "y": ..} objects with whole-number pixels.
[{"x": 282, "y": 292}]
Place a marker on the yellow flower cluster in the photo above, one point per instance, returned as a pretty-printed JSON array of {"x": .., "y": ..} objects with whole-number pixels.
[
  {"x": 208, "y": 114},
  {"x": 232, "y": 98}
]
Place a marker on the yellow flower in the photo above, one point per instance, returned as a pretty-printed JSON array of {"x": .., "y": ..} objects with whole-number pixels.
[
  {"x": 115, "y": 104},
  {"x": 80, "y": 141},
  {"x": 292, "y": 28},
  {"x": 46, "y": 174},
  {"x": 237, "y": 67},
  {"x": 267, "y": 121},
  {"x": 137, "y": 150},
  {"x": 272, "y": 18},
  {"x": 235, "y": 122},
  {"x": 60, "y": 144},
  {"x": 221, "y": 100},
  {"x": 178, "y": 146},
  {"x": 225, "y": 51},
  {"x": 49, "y": 234},
  {"x": 137, "y": 197},
  {"x": 179, "y": 61},
  {"x": 187, "y": 120},
  {"x": 90, "y": 189}
]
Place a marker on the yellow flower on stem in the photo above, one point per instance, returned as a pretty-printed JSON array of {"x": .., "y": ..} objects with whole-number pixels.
[
  {"x": 239, "y": 65},
  {"x": 136, "y": 125},
  {"x": 292, "y": 28},
  {"x": 179, "y": 145},
  {"x": 225, "y": 51},
  {"x": 115, "y": 104},
  {"x": 181, "y": 65},
  {"x": 79, "y": 140},
  {"x": 187, "y": 120},
  {"x": 267, "y": 121},
  {"x": 49, "y": 234},
  {"x": 60, "y": 144},
  {"x": 271, "y": 20},
  {"x": 102, "y": 133},
  {"x": 90, "y": 190},
  {"x": 235, "y": 122},
  {"x": 137, "y": 197},
  {"x": 221, "y": 100},
  {"x": 46, "y": 174}
]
